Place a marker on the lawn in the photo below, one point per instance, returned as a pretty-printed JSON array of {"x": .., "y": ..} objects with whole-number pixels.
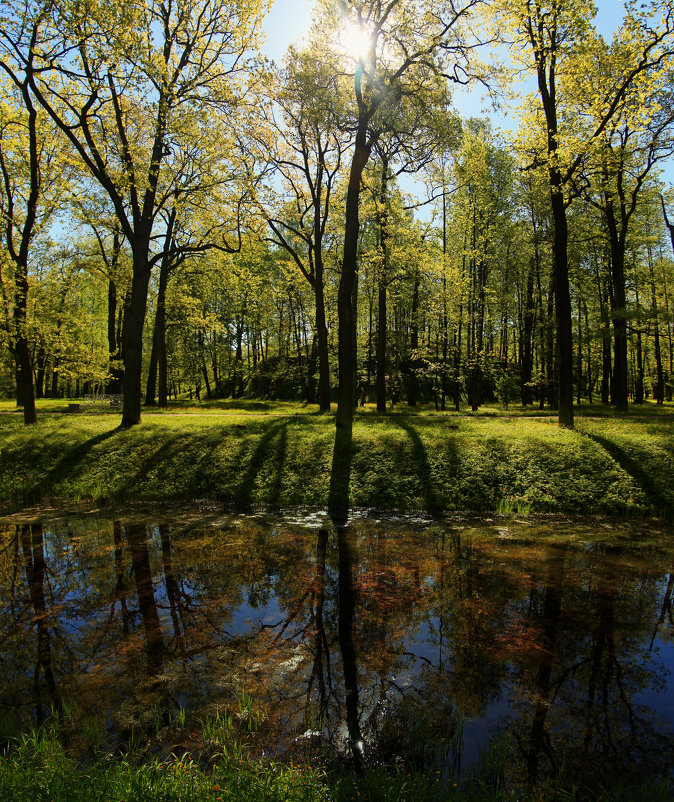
[{"x": 251, "y": 454}]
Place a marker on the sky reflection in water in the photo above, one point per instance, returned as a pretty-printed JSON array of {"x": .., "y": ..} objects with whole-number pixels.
[{"x": 420, "y": 641}]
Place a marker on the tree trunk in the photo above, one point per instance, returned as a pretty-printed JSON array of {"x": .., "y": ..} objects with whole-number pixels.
[
  {"x": 382, "y": 281},
  {"x": 346, "y": 343},
  {"x": 132, "y": 336},
  {"x": 25, "y": 389},
  {"x": 618, "y": 314},
  {"x": 560, "y": 266},
  {"x": 322, "y": 337}
]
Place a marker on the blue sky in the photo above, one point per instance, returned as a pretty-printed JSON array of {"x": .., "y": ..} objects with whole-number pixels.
[{"x": 289, "y": 20}]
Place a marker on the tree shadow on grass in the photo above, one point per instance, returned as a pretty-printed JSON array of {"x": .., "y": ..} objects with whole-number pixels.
[
  {"x": 158, "y": 456},
  {"x": 272, "y": 446},
  {"x": 340, "y": 477},
  {"x": 423, "y": 469},
  {"x": 66, "y": 466},
  {"x": 658, "y": 502}
]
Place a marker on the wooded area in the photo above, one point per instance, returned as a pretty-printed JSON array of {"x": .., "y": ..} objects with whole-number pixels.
[{"x": 182, "y": 219}]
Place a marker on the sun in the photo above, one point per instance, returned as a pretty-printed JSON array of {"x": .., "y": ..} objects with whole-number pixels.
[{"x": 355, "y": 41}]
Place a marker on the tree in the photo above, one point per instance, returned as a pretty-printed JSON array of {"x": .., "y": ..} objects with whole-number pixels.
[
  {"x": 553, "y": 40},
  {"x": 306, "y": 153},
  {"x": 638, "y": 136},
  {"x": 123, "y": 84},
  {"x": 392, "y": 51},
  {"x": 28, "y": 194}
]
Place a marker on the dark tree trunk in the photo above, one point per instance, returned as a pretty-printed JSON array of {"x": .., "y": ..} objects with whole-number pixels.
[
  {"x": 414, "y": 345},
  {"x": 25, "y": 389},
  {"x": 543, "y": 685},
  {"x": 346, "y": 617},
  {"x": 346, "y": 343},
  {"x": 618, "y": 313},
  {"x": 560, "y": 264},
  {"x": 140, "y": 560},
  {"x": 32, "y": 544},
  {"x": 527, "y": 339},
  {"x": 132, "y": 336},
  {"x": 382, "y": 281}
]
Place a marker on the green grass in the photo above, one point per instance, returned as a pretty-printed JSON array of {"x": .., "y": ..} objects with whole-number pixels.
[
  {"x": 251, "y": 453},
  {"x": 36, "y": 767}
]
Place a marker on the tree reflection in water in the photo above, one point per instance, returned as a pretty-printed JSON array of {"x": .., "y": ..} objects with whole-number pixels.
[
  {"x": 32, "y": 544},
  {"x": 369, "y": 643},
  {"x": 346, "y": 620}
]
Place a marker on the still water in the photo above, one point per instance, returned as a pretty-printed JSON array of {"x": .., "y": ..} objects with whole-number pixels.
[{"x": 541, "y": 646}]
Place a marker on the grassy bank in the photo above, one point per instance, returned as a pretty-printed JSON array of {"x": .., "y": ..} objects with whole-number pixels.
[
  {"x": 37, "y": 768},
  {"x": 254, "y": 453}
]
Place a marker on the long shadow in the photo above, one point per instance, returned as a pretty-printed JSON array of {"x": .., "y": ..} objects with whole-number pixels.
[
  {"x": 262, "y": 452},
  {"x": 658, "y": 502},
  {"x": 65, "y": 466},
  {"x": 340, "y": 477},
  {"x": 423, "y": 467},
  {"x": 155, "y": 459}
]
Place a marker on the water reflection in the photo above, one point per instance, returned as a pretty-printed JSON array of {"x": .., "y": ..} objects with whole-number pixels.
[
  {"x": 32, "y": 545},
  {"x": 370, "y": 642}
]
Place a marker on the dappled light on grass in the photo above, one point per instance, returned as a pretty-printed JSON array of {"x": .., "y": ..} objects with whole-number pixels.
[{"x": 281, "y": 458}]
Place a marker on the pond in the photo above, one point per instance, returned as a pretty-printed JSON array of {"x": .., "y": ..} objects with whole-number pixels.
[{"x": 530, "y": 648}]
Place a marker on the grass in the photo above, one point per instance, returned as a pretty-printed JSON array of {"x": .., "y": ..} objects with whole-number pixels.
[
  {"x": 36, "y": 767},
  {"x": 250, "y": 454}
]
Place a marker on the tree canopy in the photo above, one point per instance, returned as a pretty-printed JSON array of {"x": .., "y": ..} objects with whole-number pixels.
[{"x": 209, "y": 224}]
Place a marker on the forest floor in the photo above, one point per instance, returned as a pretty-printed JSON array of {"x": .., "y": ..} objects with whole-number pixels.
[{"x": 252, "y": 454}]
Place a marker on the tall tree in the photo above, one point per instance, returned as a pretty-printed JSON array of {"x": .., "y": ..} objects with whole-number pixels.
[
  {"x": 392, "y": 51},
  {"x": 552, "y": 40},
  {"x": 29, "y": 191},
  {"x": 638, "y": 136},
  {"x": 123, "y": 84},
  {"x": 306, "y": 151}
]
